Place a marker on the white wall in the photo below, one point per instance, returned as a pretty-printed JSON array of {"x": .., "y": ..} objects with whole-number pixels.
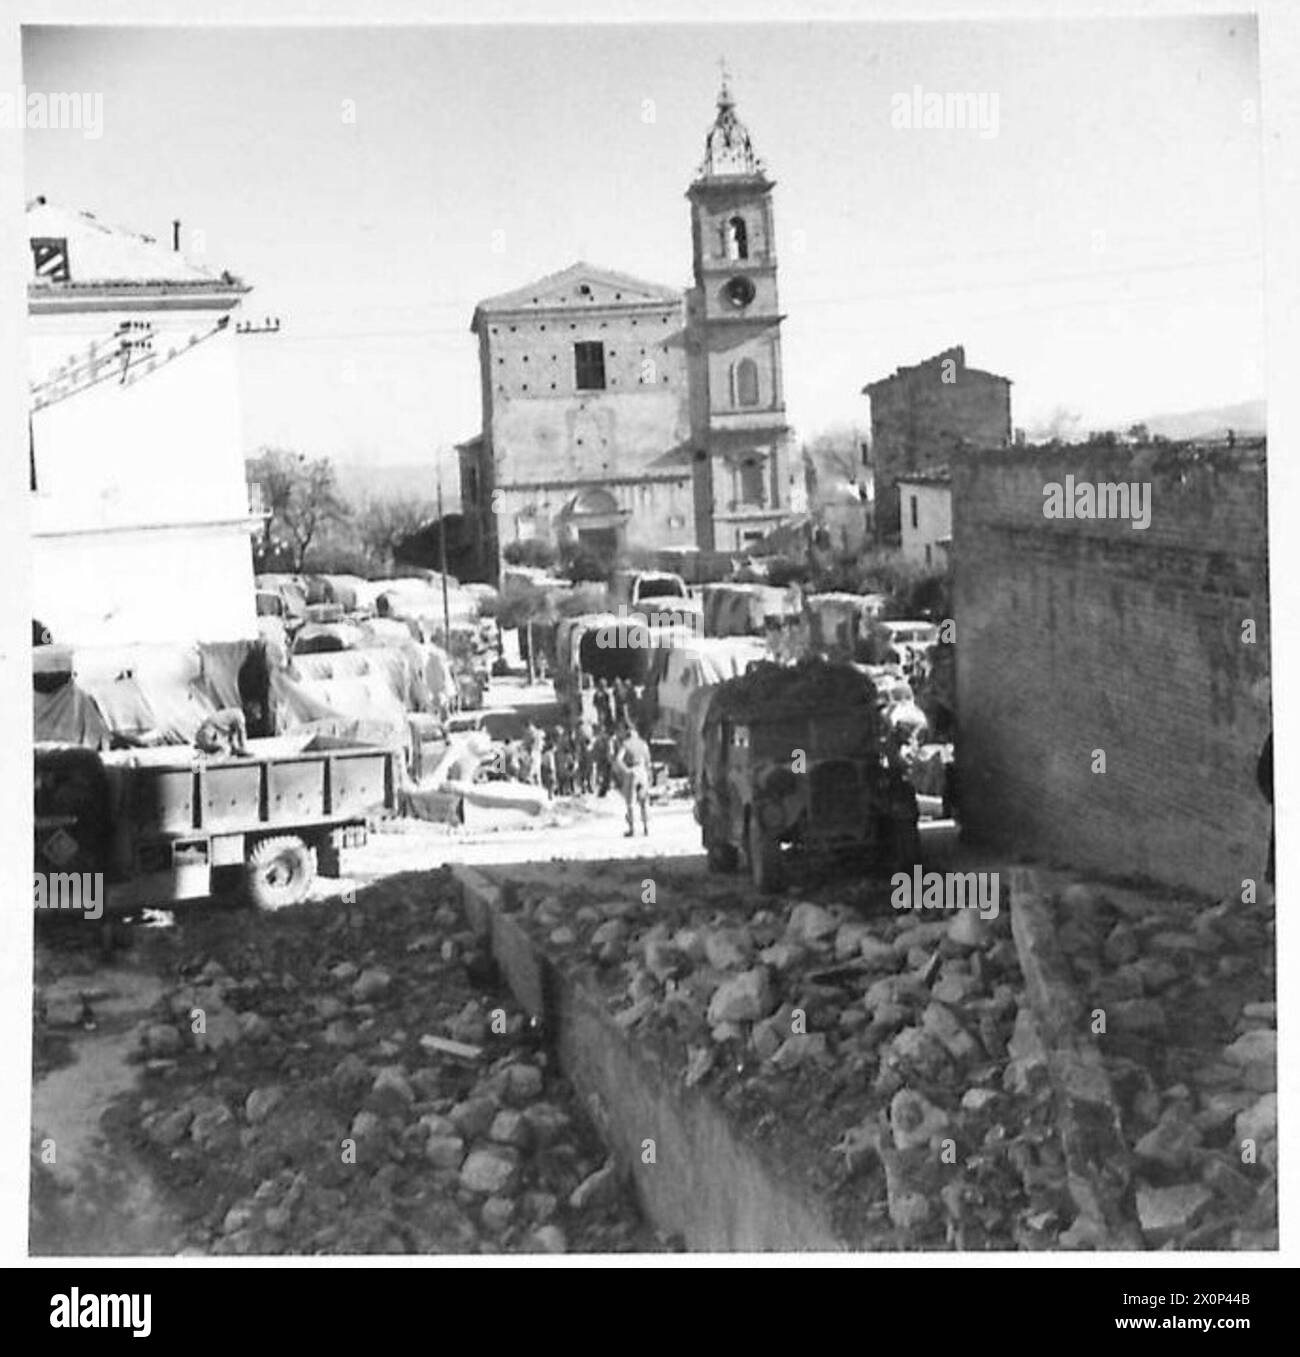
[
  {"x": 933, "y": 521},
  {"x": 140, "y": 516},
  {"x": 165, "y": 448},
  {"x": 180, "y": 585}
]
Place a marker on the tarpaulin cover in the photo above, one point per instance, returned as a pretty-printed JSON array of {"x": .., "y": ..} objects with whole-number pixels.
[
  {"x": 387, "y": 630},
  {"x": 291, "y": 588},
  {"x": 742, "y": 609},
  {"x": 316, "y": 707},
  {"x": 152, "y": 691},
  {"x": 415, "y": 598},
  {"x": 319, "y": 637},
  {"x": 398, "y": 668},
  {"x": 701, "y": 664},
  {"x": 220, "y": 663},
  {"x": 344, "y": 590},
  {"x": 153, "y": 708},
  {"x": 175, "y": 664},
  {"x": 68, "y": 716}
]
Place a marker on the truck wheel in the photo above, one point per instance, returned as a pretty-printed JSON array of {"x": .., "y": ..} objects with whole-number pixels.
[
  {"x": 764, "y": 857},
  {"x": 279, "y": 872},
  {"x": 720, "y": 855},
  {"x": 901, "y": 842}
]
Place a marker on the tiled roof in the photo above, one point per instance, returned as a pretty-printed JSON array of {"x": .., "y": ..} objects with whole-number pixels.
[
  {"x": 565, "y": 290},
  {"x": 100, "y": 255}
]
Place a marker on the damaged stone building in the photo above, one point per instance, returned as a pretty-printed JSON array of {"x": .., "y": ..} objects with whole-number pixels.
[
  {"x": 921, "y": 416},
  {"x": 619, "y": 413}
]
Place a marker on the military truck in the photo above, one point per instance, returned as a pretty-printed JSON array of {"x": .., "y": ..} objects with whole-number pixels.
[
  {"x": 800, "y": 760},
  {"x": 164, "y": 825}
]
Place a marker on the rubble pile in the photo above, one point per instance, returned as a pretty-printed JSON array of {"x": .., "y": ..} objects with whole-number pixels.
[
  {"x": 884, "y": 1062},
  {"x": 338, "y": 1080},
  {"x": 1190, "y": 1043}
]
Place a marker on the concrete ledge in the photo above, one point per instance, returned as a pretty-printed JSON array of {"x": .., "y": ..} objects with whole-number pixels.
[{"x": 705, "y": 1184}]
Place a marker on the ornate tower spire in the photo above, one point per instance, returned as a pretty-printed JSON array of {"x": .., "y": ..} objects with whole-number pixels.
[{"x": 728, "y": 150}]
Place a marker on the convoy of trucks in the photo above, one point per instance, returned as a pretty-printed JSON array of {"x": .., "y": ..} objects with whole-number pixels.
[{"x": 784, "y": 758}]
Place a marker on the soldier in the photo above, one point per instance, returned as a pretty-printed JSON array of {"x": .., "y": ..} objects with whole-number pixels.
[
  {"x": 603, "y": 759},
  {"x": 601, "y": 702},
  {"x": 534, "y": 739},
  {"x": 619, "y": 704},
  {"x": 583, "y": 746},
  {"x": 224, "y": 732},
  {"x": 563, "y": 762},
  {"x": 635, "y": 759}
]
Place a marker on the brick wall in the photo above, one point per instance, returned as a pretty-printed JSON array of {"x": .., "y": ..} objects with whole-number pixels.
[{"x": 1082, "y": 635}]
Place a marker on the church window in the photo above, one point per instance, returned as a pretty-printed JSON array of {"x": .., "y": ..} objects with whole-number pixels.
[
  {"x": 737, "y": 239},
  {"x": 589, "y": 364},
  {"x": 745, "y": 380},
  {"x": 751, "y": 481}
]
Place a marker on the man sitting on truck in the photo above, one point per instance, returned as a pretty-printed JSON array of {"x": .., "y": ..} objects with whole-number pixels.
[{"x": 224, "y": 732}]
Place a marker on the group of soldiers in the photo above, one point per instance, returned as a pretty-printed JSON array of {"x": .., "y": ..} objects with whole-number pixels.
[{"x": 584, "y": 757}]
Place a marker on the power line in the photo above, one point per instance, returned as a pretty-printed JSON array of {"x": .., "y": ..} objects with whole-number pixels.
[{"x": 436, "y": 333}]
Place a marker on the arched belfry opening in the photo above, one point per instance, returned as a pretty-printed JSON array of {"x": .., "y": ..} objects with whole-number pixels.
[{"x": 737, "y": 238}]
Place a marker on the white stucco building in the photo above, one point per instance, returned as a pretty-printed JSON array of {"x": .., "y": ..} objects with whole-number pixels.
[
  {"x": 140, "y": 516},
  {"x": 925, "y": 507}
]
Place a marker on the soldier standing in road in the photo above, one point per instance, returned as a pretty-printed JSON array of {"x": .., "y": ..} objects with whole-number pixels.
[
  {"x": 603, "y": 757},
  {"x": 635, "y": 759}
]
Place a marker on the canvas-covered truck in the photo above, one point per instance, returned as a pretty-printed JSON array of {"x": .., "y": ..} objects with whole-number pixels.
[
  {"x": 799, "y": 760},
  {"x": 166, "y": 824}
]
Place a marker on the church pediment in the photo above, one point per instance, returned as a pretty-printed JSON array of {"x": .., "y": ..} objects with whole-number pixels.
[{"x": 580, "y": 287}]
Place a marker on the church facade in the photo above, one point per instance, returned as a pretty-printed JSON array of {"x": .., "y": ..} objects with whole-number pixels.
[{"x": 622, "y": 414}]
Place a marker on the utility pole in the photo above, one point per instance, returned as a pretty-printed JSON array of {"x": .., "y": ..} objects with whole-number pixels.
[{"x": 442, "y": 563}]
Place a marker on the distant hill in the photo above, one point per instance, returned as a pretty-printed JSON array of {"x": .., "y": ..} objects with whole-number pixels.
[
  {"x": 1247, "y": 417},
  {"x": 409, "y": 481}
]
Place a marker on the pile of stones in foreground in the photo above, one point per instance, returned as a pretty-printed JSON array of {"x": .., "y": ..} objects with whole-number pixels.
[
  {"x": 901, "y": 1045},
  {"x": 1191, "y": 1049},
  {"x": 351, "y": 1092},
  {"x": 896, "y": 1045}
]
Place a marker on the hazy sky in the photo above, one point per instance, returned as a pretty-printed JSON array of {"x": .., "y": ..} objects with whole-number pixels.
[{"x": 1103, "y": 249}]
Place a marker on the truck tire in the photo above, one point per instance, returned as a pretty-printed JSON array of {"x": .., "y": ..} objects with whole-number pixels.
[
  {"x": 764, "y": 856},
  {"x": 279, "y": 872},
  {"x": 901, "y": 842},
  {"x": 720, "y": 855}
]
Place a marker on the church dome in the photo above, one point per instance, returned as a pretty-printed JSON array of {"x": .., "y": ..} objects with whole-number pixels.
[{"x": 728, "y": 149}]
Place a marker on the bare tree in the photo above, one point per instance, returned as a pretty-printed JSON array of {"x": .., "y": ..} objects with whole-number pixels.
[{"x": 302, "y": 498}]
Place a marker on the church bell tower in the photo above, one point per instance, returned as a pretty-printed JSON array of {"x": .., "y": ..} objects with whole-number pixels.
[{"x": 738, "y": 426}]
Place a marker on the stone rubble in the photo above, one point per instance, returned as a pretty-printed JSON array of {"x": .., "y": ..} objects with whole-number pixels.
[
  {"x": 309, "y": 1117},
  {"x": 1191, "y": 1047}
]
